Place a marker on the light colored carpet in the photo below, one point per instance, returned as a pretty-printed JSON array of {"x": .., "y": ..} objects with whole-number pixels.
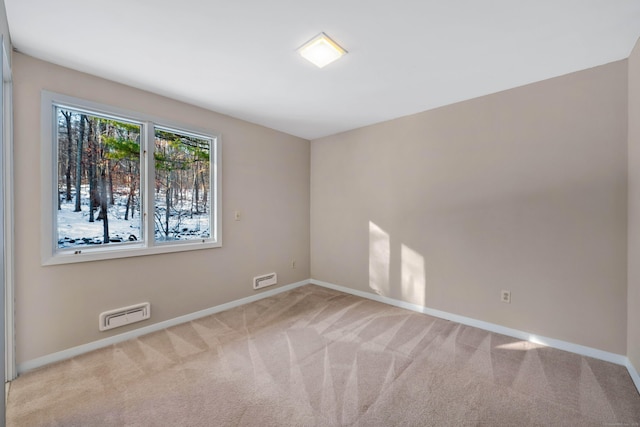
[{"x": 318, "y": 357}]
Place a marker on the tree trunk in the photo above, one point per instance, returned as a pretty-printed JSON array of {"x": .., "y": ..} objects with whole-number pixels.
[
  {"x": 104, "y": 215},
  {"x": 111, "y": 199},
  {"x": 130, "y": 202},
  {"x": 92, "y": 170},
  {"x": 132, "y": 188},
  {"x": 204, "y": 191},
  {"x": 195, "y": 196},
  {"x": 176, "y": 191},
  {"x": 67, "y": 173},
  {"x": 167, "y": 198},
  {"x": 80, "y": 142}
]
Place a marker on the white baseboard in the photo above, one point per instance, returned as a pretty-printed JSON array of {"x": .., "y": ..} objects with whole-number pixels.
[
  {"x": 85, "y": 348},
  {"x": 492, "y": 327},
  {"x": 634, "y": 374}
]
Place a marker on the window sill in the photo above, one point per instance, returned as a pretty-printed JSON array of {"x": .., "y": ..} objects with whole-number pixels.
[{"x": 104, "y": 253}]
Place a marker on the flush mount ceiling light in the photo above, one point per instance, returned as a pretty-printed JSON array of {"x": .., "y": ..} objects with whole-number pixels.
[{"x": 321, "y": 50}]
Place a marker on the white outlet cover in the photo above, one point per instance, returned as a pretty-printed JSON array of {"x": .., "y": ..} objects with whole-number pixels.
[{"x": 505, "y": 296}]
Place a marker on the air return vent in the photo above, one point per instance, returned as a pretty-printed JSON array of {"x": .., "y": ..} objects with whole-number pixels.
[
  {"x": 123, "y": 316},
  {"x": 265, "y": 280}
]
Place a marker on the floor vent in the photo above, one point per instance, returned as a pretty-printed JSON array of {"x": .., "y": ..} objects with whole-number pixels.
[
  {"x": 123, "y": 316},
  {"x": 265, "y": 280}
]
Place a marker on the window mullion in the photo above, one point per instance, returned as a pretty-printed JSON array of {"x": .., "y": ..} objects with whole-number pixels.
[{"x": 148, "y": 177}]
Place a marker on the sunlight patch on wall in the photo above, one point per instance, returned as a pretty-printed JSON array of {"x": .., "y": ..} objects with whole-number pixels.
[
  {"x": 413, "y": 276},
  {"x": 379, "y": 259}
]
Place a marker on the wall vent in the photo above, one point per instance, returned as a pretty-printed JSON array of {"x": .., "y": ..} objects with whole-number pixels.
[
  {"x": 265, "y": 280},
  {"x": 123, "y": 316}
]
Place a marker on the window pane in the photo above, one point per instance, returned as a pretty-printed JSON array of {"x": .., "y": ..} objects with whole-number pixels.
[
  {"x": 182, "y": 181},
  {"x": 98, "y": 180}
]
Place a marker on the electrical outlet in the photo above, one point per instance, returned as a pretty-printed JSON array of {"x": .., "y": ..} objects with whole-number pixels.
[
  {"x": 293, "y": 264},
  {"x": 236, "y": 215},
  {"x": 505, "y": 296}
]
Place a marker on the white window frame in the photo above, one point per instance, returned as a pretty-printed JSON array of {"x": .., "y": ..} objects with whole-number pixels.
[
  {"x": 6, "y": 121},
  {"x": 51, "y": 254}
]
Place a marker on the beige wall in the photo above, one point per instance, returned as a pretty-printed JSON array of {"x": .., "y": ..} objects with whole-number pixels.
[
  {"x": 265, "y": 175},
  {"x": 524, "y": 190},
  {"x": 633, "y": 342}
]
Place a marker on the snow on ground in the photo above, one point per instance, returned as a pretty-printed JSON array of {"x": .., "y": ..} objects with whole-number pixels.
[{"x": 74, "y": 228}]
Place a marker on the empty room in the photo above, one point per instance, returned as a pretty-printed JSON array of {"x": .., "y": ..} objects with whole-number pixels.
[{"x": 363, "y": 213}]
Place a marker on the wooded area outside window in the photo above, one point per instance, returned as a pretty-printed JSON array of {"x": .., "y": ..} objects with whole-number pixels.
[{"x": 123, "y": 184}]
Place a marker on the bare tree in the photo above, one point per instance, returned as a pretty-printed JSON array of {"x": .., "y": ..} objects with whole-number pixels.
[
  {"x": 79, "y": 145},
  {"x": 91, "y": 160},
  {"x": 104, "y": 215},
  {"x": 67, "y": 174}
]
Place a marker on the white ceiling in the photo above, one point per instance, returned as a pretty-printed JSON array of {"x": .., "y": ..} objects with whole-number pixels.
[{"x": 405, "y": 56}]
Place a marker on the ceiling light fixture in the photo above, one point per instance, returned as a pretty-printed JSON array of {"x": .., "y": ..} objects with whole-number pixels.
[{"x": 321, "y": 50}]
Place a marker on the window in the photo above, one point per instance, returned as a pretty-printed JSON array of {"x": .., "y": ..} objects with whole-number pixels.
[
  {"x": 119, "y": 184},
  {"x": 181, "y": 199}
]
